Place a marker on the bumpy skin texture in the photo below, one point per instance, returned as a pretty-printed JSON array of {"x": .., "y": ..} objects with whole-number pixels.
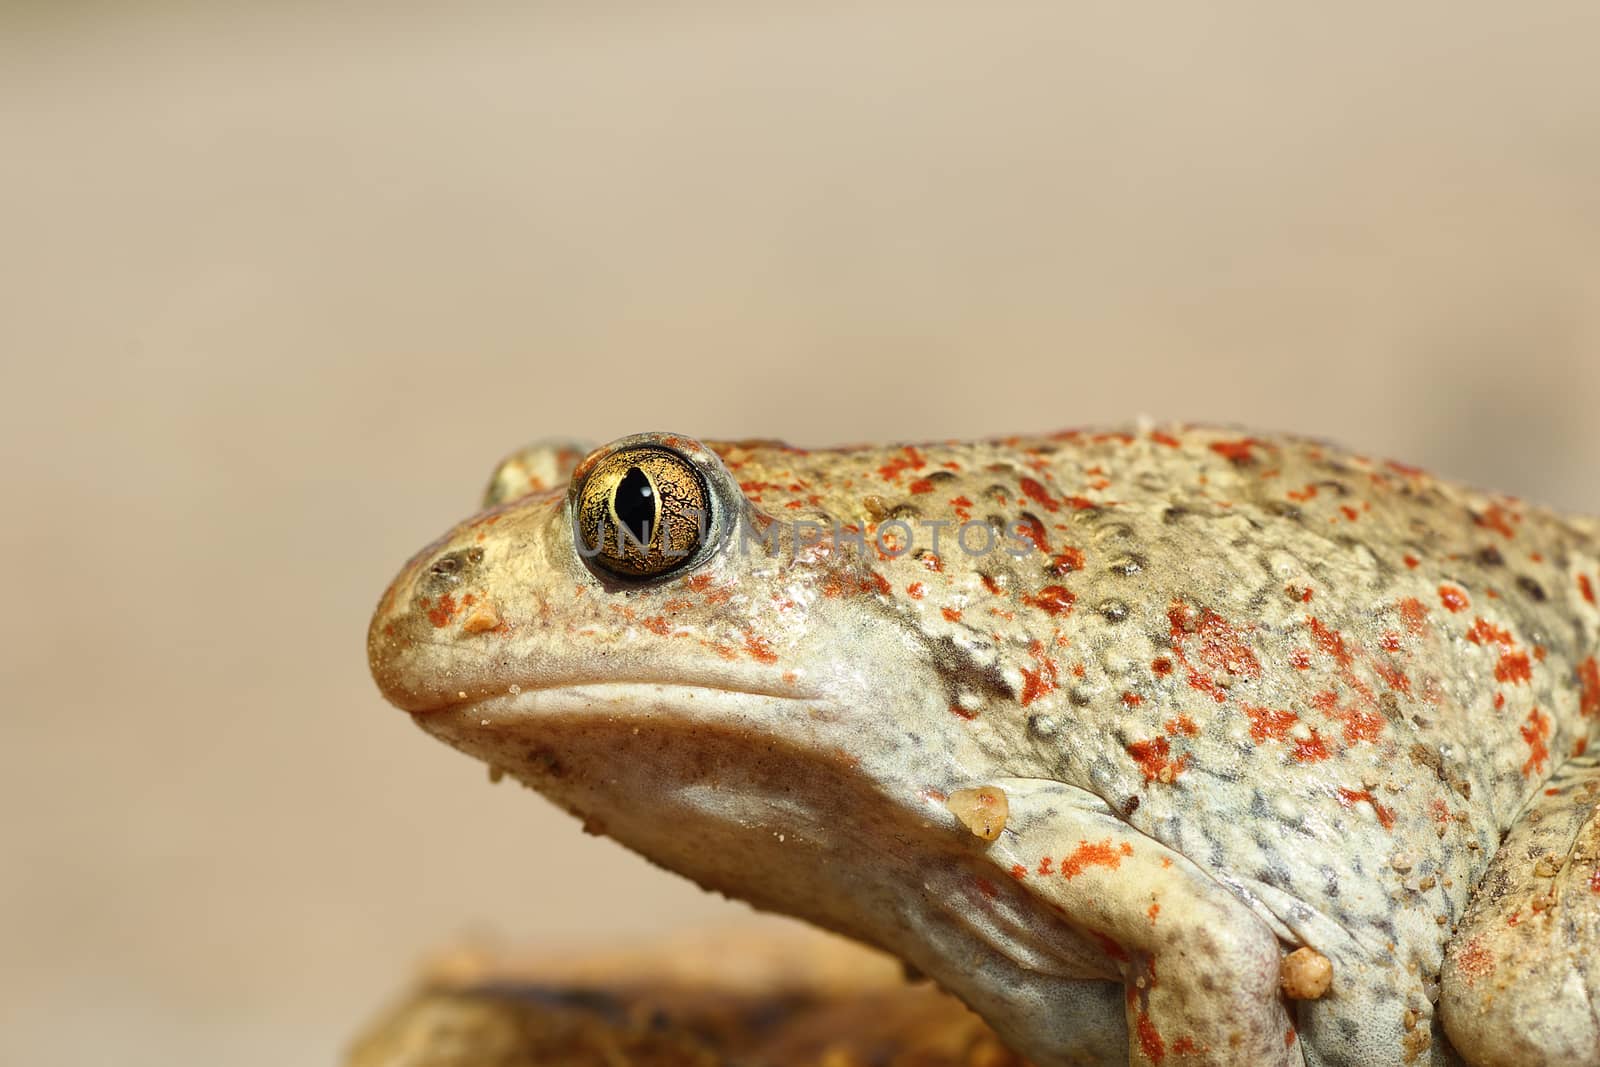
[{"x": 1243, "y": 694}]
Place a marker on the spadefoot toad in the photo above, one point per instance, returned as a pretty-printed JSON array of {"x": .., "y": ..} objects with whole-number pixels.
[{"x": 1162, "y": 746}]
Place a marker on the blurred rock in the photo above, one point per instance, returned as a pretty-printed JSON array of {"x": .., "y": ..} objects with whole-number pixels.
[{"x": 764, "y": 999}]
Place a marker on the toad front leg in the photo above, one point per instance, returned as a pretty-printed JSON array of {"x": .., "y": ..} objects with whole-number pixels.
[
  {"x": 1521, "y": 983},
  {"x": 1200, "y": 970}
]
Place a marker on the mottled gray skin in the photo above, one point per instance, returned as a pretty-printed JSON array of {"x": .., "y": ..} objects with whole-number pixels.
[{"x": 1243, "y": 694}]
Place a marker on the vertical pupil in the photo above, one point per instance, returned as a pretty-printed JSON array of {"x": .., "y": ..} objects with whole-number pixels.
[{"x": 635, "y": 502}]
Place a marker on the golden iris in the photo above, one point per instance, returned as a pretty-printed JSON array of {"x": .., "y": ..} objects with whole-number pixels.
[{"x": 642, "y": 512}]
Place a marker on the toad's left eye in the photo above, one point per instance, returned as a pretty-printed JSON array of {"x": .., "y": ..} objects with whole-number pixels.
[{"x": 641, "y": 512}]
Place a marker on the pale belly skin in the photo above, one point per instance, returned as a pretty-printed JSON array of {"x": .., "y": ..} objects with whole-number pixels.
[{"x": 1241, "y": 694}]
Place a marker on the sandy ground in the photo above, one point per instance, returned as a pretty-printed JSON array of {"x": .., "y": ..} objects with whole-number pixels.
[{"x": 278, "y": 284}]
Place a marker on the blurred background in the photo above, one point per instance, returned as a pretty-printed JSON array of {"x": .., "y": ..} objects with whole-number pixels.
[{"x": 279, "y": 284}]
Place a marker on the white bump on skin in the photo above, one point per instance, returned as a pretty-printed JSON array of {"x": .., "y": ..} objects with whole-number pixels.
[
  {"x": 1306, "y": 974},
  {"x": 983, "y": 810}
]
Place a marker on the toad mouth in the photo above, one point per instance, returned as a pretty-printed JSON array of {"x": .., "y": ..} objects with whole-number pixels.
[{"x": 633, "y": 697}]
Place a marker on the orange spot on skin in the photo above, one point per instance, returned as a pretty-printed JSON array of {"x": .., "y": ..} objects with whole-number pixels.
[
  {"x": 1453, "y": 599},
  {"x": 1036, "y": 684},
  {"x": 1270, "y": 723},
  {"x": 1037, "y": 493},
  {"x": 1152, "y": 756},
  {"x": 909, "y": 459},
  {"x": 1484, "y": 632},
  {"x": 1182, "y": 725},
  {"x": 1152, "y": 911},
  {"x": 1310, "y": 749},
  {"x": 1162, "y": 667},
  {"x": 1535, "y": 733},
  {"x": 1349, "y": 797},
  {"x": 1514, "y": 667},
  {"x": 1412, "y": 561},
  {"x": 1594, "y": 881},
  {"x": 1414, "y": 615},
  {"x": 1212, "y": 651},
  {"x": 1589, "y": 678},
  {"x": 1303, "y": 495},
  {"x": 962, "y": 713},
  {"x": 1066, "y": 561},
  {"x": 915, "y": 590},
  {"x": 1240, "y": 451},
  {"x": 921, "y": 485},
  {"x": 1349, "y": 512},
  {"x": 1223, "y": 648},
  {"x": 657, "y": 625},
  {"x": 951, "y": 614},
  {"x": 1498, "y": 520},
  {"x": 1044, "y": 865},
  {"x": 1165, "y": 439},
  {"x": 1358, "y": 725},
  {"x": 1276, "y": 725},
  {"x": 760, "y": 648},
  {"x": 1132, "y": 700},
  {"x": 1586, "y": 587},
  {"x": 1300, "y": 659},
  {"x": 1094, "y": 854},
  {"x": 990, "y": 584},
  {"x": 1053, "y": 600},
  {"x": 1150, "y": 1043},
  {"x": 963, "y": 508},
  {"x": 1331, "y": 642},
  {"x": 1185, "y": 1046},
  {"x": 443, "y": 612},
  {"x": 1018, "y": 871},
  {"x": 704, "y": 585},
  {"x": 1031, "y": 530},
  {"x": 1393, "y": 677},
  {"x": 1391, "y": 641}
]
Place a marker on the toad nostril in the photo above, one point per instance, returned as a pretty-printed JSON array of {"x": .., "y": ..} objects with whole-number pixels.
[{"x": 452, "y": 567}]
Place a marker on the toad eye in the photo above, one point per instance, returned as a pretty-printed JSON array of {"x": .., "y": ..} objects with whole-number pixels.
[{"x": 641, "y": 512}]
